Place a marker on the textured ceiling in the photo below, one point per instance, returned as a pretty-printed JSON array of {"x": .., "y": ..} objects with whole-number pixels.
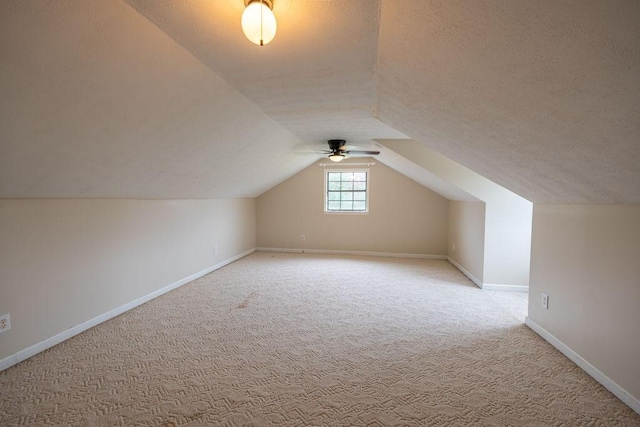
[
  {"x": 421, "y": 175},
  {"x": 150, "y": 98},
  {"x": 98, "y": 102},
  {"x": 541, "y": 97},
  {"x": 317, "y": 78}
]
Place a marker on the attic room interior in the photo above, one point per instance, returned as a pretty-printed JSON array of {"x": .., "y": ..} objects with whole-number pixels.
[{"x": 170, "y": 252}]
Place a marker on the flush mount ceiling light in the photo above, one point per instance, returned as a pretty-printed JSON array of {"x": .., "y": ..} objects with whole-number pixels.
[{"x": 258, "y": 21}]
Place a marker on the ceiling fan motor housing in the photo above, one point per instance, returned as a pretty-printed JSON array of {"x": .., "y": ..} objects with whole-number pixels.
[{"x": 336, "y": 144}]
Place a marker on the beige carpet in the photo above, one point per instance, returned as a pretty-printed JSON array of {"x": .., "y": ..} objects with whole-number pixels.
[{"x": 284, "y": 339}]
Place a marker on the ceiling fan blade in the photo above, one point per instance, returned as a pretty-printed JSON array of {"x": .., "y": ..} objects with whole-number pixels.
[{"x": 361, "y": 152}]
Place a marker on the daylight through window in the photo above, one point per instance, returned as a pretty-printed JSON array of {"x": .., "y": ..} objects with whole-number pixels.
[{"x": 346, "y": 191}]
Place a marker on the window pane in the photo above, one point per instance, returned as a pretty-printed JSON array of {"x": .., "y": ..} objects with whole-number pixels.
[
  {"x": 359, "y": 185},
  {"x": 359, "y": 206},
  {"x": 346, "y": 186},
  {"x": 346, "y": 191}
]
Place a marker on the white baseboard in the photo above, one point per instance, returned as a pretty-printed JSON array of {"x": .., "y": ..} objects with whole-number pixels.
[
  {"x": 487, "y": 286},
  {"x": 464, "y": 271},
  {"x": 358, "y": 253},
  {"x": 62, "y": 336},
  {"x": 511, "y": 288},
  {"x": 8, "y": 361},
  {"x": 595, "y": 373}
]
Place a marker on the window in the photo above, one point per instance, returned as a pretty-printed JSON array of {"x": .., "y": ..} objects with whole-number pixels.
[{"x": 346, "y": 191}]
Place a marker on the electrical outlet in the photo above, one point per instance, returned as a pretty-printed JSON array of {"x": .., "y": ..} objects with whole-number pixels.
[
  {"x": 215, "y": 249},
  {"x": 545, "y": 301},
  {"x": 5, "y": 323},
  {"x": 303, "y": 237},
  {"x": 454, "y": 246}
]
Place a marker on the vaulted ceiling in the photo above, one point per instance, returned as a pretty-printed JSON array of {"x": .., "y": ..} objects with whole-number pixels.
[{"x": 167, "y": 99}]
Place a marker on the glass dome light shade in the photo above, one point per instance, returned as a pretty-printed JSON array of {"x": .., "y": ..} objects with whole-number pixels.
[
  {"x": 259, "y": 23},
  {"x": 336, "y": 157}
]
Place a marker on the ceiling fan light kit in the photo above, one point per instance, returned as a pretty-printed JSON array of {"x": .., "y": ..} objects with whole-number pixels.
[{"x": 258, "y": 21}]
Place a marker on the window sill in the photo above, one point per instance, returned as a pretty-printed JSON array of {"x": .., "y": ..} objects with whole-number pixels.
[{"x": 347, "y": 212}]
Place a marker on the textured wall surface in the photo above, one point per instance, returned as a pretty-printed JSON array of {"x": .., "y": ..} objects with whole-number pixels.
[
  {"x": 466, "y": 236},
  {"x": 585, "y": 257},
  {"x": 63, "y": 262},
  {"x": 404, "y": 217},
  {"x": 506, "y": 234}
]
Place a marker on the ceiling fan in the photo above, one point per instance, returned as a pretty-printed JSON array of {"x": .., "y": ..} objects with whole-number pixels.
[{"x": 337, "y": 150}]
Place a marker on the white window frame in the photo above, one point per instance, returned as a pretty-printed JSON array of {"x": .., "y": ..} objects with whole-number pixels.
[{"x": 326, "y": 191}]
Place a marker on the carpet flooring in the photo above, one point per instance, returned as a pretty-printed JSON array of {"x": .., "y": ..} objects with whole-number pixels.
[{"x": 296, "y": 340}]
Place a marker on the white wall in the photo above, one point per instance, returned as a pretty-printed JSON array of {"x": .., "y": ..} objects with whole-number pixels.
[
  {"x": 507, "y": 230},
  {"x": 404, "y": 216},
  {"x": 587, "y": 259},
  {"x": 466, "y": 236},
  {"x": 63, "y": 262},
  {"x": 507, "y": 246}
]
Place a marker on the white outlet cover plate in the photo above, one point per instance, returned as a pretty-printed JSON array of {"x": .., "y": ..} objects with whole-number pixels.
[
  {"x": 545, "y": 301},
  {"x": 5, "y": 323}
]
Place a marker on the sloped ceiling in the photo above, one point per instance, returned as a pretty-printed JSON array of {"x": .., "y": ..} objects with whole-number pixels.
[
  {"x": 541, "y": 97},
  {"x": 167, "y": 99},
  {"x": 420, "y": 174},
  {"x": 317, "y": 79},
  {"x": 98, "y": 102}
]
